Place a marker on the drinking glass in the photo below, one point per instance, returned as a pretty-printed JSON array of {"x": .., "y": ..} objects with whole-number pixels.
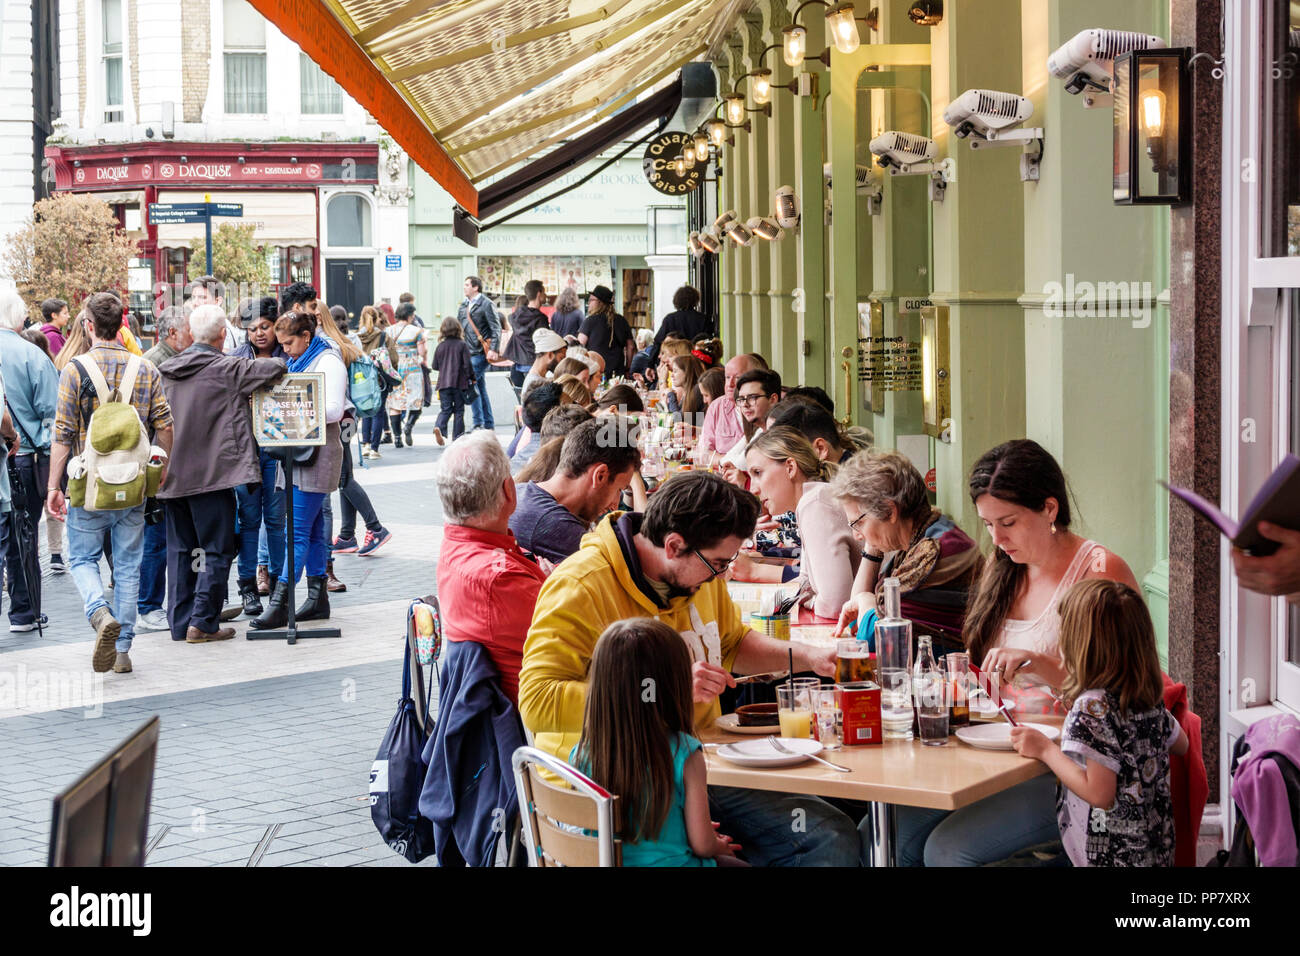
[
  {"x": 829, "y": 713},
  {"x": 794, "y": 709},
  {"x": 894, "y": 662},
  {"x": 932, "y": 708},
  {"x": 853, "y": 661}
]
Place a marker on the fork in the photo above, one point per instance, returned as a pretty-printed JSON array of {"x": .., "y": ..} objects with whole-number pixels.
[{"x": 782, "y": 748}]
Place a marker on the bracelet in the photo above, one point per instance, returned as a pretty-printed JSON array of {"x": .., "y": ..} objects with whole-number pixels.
[{"x": 874, "y": 558}]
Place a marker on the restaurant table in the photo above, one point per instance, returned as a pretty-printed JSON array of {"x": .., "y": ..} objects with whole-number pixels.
[{"x": 894, "y": 773}]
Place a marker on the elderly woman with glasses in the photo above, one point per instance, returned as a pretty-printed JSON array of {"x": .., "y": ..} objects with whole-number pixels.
[{"x": 885, "y": 501}]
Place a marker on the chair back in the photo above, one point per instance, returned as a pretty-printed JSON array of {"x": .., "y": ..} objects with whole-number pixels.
[{"x": 558, "y": 822}]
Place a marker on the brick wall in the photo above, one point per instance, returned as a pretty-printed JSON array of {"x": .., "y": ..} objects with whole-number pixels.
[{"x": 195, "y": 51}]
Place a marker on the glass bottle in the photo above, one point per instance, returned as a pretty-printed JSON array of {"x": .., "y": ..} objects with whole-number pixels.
[
  {"x": 926, "y": 678},
  {"x": 957, "y": 664},
  {"x": 894, "y": 660}
]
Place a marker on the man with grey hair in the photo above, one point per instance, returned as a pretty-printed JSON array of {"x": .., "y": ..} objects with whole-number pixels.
[
  {"x": 173, "y": 335},
  {"x": 487, "y": 586},
  {"x": 31, "y": 391},
  {"x": 213, "y": 451}
]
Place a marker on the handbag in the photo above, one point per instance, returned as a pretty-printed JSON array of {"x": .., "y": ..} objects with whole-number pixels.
[{"x": 427, "y": 398}]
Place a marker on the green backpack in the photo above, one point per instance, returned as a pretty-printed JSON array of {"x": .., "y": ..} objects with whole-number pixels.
[{"x": 117, "y": 469}]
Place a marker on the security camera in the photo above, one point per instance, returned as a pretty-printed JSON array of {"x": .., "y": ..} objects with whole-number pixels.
[
  {"x": 987, "y": 118},
  {"x": 765, "y": 227},
  {"x": 787, "y": 207},
  {"x": 907, "y": 154},
  {"x": 1086, "y": 62}
]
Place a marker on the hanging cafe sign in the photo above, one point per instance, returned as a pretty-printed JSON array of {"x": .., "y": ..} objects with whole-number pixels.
[{"x": 670, "y": 165}]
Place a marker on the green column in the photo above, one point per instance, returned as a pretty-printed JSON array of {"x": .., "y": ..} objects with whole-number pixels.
[
  {"x": 780, "y": 161},
  {"x": 809, "y": 298}
]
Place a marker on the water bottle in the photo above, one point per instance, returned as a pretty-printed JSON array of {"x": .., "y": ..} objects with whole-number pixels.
[
  {"x": 894, "y": 656},
  {"x": 925, "y": 672}
]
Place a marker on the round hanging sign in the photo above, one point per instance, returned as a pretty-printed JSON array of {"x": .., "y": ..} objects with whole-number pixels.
[{"x": 660, "y": 171}]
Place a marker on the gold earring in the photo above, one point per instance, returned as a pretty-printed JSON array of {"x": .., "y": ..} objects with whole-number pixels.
[{"x": 1053, "y": 527}]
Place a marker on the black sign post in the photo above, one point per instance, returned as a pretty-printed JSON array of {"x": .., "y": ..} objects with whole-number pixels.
[{"x": 171, "y": 214}]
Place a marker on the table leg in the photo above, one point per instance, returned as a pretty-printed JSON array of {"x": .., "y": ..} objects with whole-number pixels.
[{"x": 884, "y": 830}]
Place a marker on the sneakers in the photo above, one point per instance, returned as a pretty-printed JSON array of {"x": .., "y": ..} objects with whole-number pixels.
[
  {"x": 106, "y": 632},
  {"x": 194, "y": 636},
  {"x": 344, "y": 545},
  {"x": 56, "y": 564},
  {"x": 153, "y": 621},
  {"x": 230, "y": 612},
  {"x": 35, "y": 625},
  {"x": 122, "y": 664},
  {"x": 375, "y": 541},
  {"x": 371, "y": 453},
  {"x": 437, "y": 435}
]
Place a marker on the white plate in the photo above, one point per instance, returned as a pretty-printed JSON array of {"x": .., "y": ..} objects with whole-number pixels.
[
  {"x": 761, "y": 753},
  {"x": 731, "y": 725},
  {"x": 998, "y": 736}
]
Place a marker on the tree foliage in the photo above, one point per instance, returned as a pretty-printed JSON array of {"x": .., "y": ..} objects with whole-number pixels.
[
  {"x": 240, "y": 262},
  {"x": 70, "y": 248}
]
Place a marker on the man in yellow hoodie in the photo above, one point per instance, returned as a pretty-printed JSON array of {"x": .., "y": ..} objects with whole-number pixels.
[{"x": 668, "y": 564}]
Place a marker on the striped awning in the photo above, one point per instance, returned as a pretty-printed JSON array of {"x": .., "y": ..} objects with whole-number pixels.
[{"x": 471, "y": 88}]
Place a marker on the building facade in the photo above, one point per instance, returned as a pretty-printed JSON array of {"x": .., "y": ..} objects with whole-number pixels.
[{"x": 169, "y": 101}]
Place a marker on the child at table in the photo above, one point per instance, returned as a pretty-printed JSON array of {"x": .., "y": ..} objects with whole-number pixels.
[
  {"x": 1113, "y": 806},
  {"x": 637, "y": 743}
]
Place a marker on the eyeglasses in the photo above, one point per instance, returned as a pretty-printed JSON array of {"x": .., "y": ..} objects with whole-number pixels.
[
  {"x": 854, "y": 523},
  {"x": 714, "y": 572},
  {"x": 749, "y": 399}
]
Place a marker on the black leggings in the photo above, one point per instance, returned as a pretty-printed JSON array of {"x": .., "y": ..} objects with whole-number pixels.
[{"x": 353, "y": 499}]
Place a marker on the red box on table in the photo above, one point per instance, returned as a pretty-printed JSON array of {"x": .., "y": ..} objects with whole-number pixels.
[{"x": 860, "y": 704}]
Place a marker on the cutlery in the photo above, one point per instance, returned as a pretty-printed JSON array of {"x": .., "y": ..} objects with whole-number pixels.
[
  {"x": 782, "y": 748},
  {"x": 1006, "y": 712},
  {"x": 760, "y": 678}
]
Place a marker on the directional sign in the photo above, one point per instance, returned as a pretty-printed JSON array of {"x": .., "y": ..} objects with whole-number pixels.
[
  {"x": 178, "y": 212},
  {"x": 225, "y": 208}
]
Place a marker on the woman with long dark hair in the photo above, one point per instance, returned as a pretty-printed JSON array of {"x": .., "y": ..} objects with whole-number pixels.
[
  {"x": 1012, "y": 630},
  {"x": 606, "y": 333}
]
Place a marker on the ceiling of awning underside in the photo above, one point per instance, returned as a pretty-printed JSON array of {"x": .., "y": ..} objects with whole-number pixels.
[{"x": 497, "y": 82}]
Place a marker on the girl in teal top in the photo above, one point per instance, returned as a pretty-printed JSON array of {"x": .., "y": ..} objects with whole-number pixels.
[{"x": 636, "y": 743}]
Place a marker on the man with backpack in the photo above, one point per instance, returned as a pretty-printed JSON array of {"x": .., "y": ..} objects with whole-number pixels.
[
  {"x": 208, "y": 393},
  {"x": 106, "y": 376}
]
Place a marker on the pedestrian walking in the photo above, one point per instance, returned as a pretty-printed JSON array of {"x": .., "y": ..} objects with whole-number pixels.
[
  {"x": 451, "y": 360},
  {"x": 478, "y": 318},
  {"x": 406, "y": 401}
]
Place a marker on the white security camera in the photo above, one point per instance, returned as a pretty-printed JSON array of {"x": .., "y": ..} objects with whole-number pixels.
[
  {"x": 1086, "y": 62},
  {"x": 907, "y": 154},
  {"x": 765, "y": 227},
  {"x": 787, "y": 207},
  {"x": 991, "y": 118}
]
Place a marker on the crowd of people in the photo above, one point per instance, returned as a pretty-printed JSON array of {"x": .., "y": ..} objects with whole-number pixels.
[{"x": 583, "y": 577}]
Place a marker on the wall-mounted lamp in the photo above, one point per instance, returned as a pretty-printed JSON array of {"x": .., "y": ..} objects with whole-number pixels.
[
  {"x": 241, "y": 160},
  {"x": 76, "y": 163},
  {"x": 701, "y": 146},
  {"x": 733, "y": 107},
  {"x": 724, "y": 220},
  {"x": 936, "y": 401},
  {"x": 765, "y": 227},
  {"x": 1152, "y": 130},
  {"x": 926, "y": 13},
  {"x": 679, "y": 167},
  {"x": 841, "y": 28},
  {"x": 709, "y": 241},
  {"x": 739, "y": 234},
  {"x": 688, "y": 156},
  {"x": 717, "y": 131}
]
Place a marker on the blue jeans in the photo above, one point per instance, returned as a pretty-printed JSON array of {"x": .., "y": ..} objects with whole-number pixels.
[
  {"x": 785, "y": 829},
  {"x": 482, "y": 407},
  {"x": 985, "y": 832},
  {"x": 309, "y": 545},
  {"x": 372, "y": 430},
  {"x": 153, "y": 569},
  {"x": 260, "y": 504},
  {"x": 86, "y": 530}
]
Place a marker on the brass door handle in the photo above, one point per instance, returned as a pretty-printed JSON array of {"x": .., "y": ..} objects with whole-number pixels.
[{"x": 847, "y": 366}]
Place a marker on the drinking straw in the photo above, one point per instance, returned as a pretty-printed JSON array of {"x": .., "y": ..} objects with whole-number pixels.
[{"x": 790, "y": 679}]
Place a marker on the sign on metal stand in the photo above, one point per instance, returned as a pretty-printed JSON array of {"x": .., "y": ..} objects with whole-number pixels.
[{"x": 175, "y": 213}]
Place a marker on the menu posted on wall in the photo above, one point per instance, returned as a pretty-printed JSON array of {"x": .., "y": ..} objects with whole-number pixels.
[
  {"x": 292, "y": 412},
  {"x": 890, "y": 363}
]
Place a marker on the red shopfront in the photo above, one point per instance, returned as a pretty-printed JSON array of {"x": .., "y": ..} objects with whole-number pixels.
[{"x": 278, "y": 184}]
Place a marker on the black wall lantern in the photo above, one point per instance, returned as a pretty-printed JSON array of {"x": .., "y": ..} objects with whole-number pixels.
[{"x": 1153, "y": 127}]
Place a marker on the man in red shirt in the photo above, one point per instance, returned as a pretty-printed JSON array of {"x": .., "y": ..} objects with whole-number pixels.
[{"x": 486, "y": 586}]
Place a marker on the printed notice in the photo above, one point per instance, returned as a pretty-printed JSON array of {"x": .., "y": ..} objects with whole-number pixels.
[
  {"x": 891, "y": 364},
  {"x": 292, "y": 412}
]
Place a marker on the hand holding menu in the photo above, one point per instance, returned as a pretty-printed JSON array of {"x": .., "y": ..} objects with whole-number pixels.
[{"x": 1277, "y": 502}]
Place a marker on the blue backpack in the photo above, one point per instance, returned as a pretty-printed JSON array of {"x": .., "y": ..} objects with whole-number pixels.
[{"x": 364, "y": 387}]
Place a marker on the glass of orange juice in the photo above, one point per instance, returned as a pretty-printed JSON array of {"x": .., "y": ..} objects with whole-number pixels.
[{"x": 794, "y": 710}]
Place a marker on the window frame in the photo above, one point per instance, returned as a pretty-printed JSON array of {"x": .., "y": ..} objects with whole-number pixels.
[
  {"x": 228, "y": 50},
  {"x": 303, "y": 61},
  {"x": 113, "y": 112}
]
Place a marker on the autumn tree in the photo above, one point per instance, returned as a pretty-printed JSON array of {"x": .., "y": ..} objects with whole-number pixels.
[
  {"x": 240, "y": 262},
  {"x": 70, "y": 248}
]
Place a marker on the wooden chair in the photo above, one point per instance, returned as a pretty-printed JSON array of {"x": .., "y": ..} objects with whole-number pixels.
[{"x": 554, "y": 816}]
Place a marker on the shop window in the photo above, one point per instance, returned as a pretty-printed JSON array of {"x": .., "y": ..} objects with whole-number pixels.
[
  {"x": 111, "y": 18},
  {"x": 320, "y": 95},
  {"x": 300, "y": 265},
  {"x": 347, "y": 221},
  {"x": 1280, "y": 219},
  {"x": 245, "y": 58},
  {"x": 177, "y": 263}
]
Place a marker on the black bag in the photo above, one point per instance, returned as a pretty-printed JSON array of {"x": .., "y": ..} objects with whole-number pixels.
[
  {"x": 428, "y": 385},
  {"x": 397, "y": 776}
]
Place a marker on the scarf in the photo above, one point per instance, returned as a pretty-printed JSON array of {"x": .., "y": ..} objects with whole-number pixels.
[
  {"x": 315, "y": 347},
  {"x": 370, "y": 339}
]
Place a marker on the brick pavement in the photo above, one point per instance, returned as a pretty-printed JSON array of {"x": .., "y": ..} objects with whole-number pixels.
[{"x": 265, "y": 749}]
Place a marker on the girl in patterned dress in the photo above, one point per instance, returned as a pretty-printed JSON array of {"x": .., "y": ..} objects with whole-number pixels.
[
  {"x": 406, "y": 401},
  {"x": 1113, "y": 806}
]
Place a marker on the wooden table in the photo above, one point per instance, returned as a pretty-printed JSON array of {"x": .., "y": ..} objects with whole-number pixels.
[{"x": 896, "y": 773}]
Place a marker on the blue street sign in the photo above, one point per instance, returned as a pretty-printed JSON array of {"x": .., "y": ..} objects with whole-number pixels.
[
  {"x": 226, "y": 208},
  {"x": 393, "y": 263}
]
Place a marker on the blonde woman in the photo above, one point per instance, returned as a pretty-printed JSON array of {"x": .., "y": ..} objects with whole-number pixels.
[
  {"x": 376, "y": 344},
  {"x": 786, "y": 474},
  {"x": 77, "y": 341}
]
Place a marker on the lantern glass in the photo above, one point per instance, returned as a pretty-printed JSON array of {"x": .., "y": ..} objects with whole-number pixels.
[
  {"x": 679, "y": 167},
  {"x": 735, "y": 109},
  {"x": 762, "y": 87},
  {"x": 688, "y": 156},
  {"x": 794, "y": 45},
  {"x": 717, "y": 132},
  {"x": 1152, "y": 132},
  {"x": 843, "y": 28},
  {"x": 701, "y": 142}
]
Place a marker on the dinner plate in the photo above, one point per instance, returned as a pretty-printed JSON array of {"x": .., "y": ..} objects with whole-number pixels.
[
  {"x": 998, "y": 736},
  {"x": 761, "y": 753},
  {"x": 731, "y": 724}
]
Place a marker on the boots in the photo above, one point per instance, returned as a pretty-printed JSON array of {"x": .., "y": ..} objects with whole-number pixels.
[
  {"x": 396, "y": 422},
  {"x": 410, "y": 420},
  {"x": 317, "y": 605},
  {"x": 331, "y": 582},
  {"x": 248, "y": 594},
  {"x": 277, "y": 611}
]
